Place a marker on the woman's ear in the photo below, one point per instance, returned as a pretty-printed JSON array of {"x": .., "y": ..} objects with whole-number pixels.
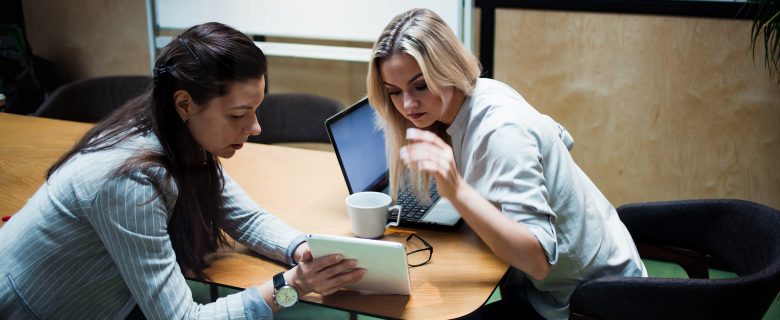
[{"x": 182, "y": 101}]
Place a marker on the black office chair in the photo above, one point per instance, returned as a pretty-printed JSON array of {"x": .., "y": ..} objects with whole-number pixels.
[
  {"x": 732, "y": 235},
  {"x": 91, "y": 100},
  {"x": 294, "y": 118}
]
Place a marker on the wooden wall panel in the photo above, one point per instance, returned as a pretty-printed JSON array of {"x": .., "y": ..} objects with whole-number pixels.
[
  {"x": 88, "y": 38},
  {"x": 660, "y": 108},
  {"x": 343, "y": 81}
]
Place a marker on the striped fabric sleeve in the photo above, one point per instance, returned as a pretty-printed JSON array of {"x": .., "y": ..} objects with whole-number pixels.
[
  {"x": 256, "y": 228},
  {"x": 132, "y": 224}
]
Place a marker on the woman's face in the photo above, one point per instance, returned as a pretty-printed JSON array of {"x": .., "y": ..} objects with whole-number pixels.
[
  {"x": 223, "y": 124},
  {"x": 409, "y": 92}
]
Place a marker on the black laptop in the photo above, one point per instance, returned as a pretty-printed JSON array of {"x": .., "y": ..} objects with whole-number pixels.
[{"x": 360, "y": 148}]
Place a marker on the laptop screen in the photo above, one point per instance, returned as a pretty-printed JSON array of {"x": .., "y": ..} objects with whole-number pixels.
[{"x": 360, "y": 147}]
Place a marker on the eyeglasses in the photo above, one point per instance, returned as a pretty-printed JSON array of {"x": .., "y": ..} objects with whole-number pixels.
[{"x": 418, "y": 251}]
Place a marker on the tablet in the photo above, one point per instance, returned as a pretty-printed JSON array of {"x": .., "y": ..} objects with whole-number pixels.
[{"x": 384, "y": 261}]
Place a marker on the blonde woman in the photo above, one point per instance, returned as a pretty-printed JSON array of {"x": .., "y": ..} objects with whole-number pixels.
[{"x": 505, "y": 167}]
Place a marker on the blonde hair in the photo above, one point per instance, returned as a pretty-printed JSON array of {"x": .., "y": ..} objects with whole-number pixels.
[{"x": 444, "y": 62}]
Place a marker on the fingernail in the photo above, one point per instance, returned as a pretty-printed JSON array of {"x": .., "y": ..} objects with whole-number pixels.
[
  {"x": 411, "y": 133},
  {"x": 339, "y": 257}
]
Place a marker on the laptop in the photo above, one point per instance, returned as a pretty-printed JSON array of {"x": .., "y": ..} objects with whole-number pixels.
[{"x": 360, "y": 148}]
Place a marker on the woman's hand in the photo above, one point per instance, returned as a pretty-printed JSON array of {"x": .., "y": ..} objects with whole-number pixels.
[
  {"x": 429, "y": 153},
  {"x": 324, "y": 275},
  {"x": 300, "y": 251},
  {"x": 511, "y": 241}
]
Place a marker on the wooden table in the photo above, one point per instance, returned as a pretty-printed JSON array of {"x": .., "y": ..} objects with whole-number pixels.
[
  {"x": 28, "y": 147},
  {"x": 304, "y": 188}
]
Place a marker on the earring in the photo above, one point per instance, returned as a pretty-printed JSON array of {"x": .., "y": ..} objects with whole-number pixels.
[{"x": 184, "y": 119}]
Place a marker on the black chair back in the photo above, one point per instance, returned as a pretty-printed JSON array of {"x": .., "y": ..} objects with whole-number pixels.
[
  {"x": 294, "y": 117},
  {"x": 733, "y": 235},
  {"x": 93, "y": 99}
]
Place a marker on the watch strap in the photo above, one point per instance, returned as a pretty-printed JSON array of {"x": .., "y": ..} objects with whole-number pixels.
[{"x": 279, "y": 280}]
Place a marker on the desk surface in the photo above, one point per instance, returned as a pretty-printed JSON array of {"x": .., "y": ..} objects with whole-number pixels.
[
  {"x": 304, "y": 188},
  {"x": 28, "y": 147}
]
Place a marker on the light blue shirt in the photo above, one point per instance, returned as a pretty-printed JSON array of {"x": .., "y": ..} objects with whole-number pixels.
[
  {"x": 519, "y": 160},
  {"x": 90, "y": 246}
]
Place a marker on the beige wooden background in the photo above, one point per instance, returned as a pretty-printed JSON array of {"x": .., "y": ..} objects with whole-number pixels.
[{"x": 661, "y": 108}]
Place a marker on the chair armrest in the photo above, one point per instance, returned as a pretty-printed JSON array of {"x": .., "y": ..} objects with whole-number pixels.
[
  {"x": 694, "y": 263},
  {"x": 685, "y": 225},
  {"x": 663, "y": 298}
]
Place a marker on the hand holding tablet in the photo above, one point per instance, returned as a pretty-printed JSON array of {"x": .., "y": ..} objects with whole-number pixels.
[{"x": 385, "y": 262}]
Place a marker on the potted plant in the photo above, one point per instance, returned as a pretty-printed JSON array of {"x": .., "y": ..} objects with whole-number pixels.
[{"x": 766, "y": 29}]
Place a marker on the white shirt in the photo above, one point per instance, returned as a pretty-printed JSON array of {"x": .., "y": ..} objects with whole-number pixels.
[{"x": 518, "y": 159}]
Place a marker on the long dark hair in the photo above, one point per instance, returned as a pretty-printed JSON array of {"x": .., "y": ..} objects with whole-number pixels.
[{"x": 204, "y": 60}]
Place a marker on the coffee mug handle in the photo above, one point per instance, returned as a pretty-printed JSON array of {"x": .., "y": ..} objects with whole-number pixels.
[{"x": 398, "y": 219}]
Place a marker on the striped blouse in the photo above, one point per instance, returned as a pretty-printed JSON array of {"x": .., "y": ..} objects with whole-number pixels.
[{"x": 89, "y": 246}]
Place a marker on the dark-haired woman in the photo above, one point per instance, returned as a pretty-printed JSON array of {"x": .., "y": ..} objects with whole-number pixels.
[{"x": 142, "y": 198}]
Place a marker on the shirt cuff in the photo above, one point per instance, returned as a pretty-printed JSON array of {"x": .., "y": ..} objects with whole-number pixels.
[
  {"x": 301, "y": 238},
  {"x": 548, "y": 244},
  {"x": 255, "y": 306},
  {"x": 540, "y": 224}
]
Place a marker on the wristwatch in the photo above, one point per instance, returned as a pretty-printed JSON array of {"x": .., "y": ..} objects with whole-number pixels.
[{"x": 285, "y": 295}]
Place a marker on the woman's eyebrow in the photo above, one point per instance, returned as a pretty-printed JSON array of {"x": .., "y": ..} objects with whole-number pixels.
[{"x": 415, "y": 77}]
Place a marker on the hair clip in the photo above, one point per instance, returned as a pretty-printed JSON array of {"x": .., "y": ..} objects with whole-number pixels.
[
  {"x": 161, "y": 70},
  {"x": 164, "y": 68},
  {"x": 188, "y": 49}
]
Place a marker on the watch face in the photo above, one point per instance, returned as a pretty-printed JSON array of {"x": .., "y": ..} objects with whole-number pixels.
[{"x": 286, "y": 296}]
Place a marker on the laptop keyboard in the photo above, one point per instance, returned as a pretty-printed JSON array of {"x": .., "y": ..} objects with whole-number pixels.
[{"x": 412, "y": 209}]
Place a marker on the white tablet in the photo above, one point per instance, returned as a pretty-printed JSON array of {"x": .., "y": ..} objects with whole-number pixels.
[{"x": 384, "y": 261}]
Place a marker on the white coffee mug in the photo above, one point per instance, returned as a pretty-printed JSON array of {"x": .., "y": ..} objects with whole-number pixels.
[{"x": 368, "y": 213}]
